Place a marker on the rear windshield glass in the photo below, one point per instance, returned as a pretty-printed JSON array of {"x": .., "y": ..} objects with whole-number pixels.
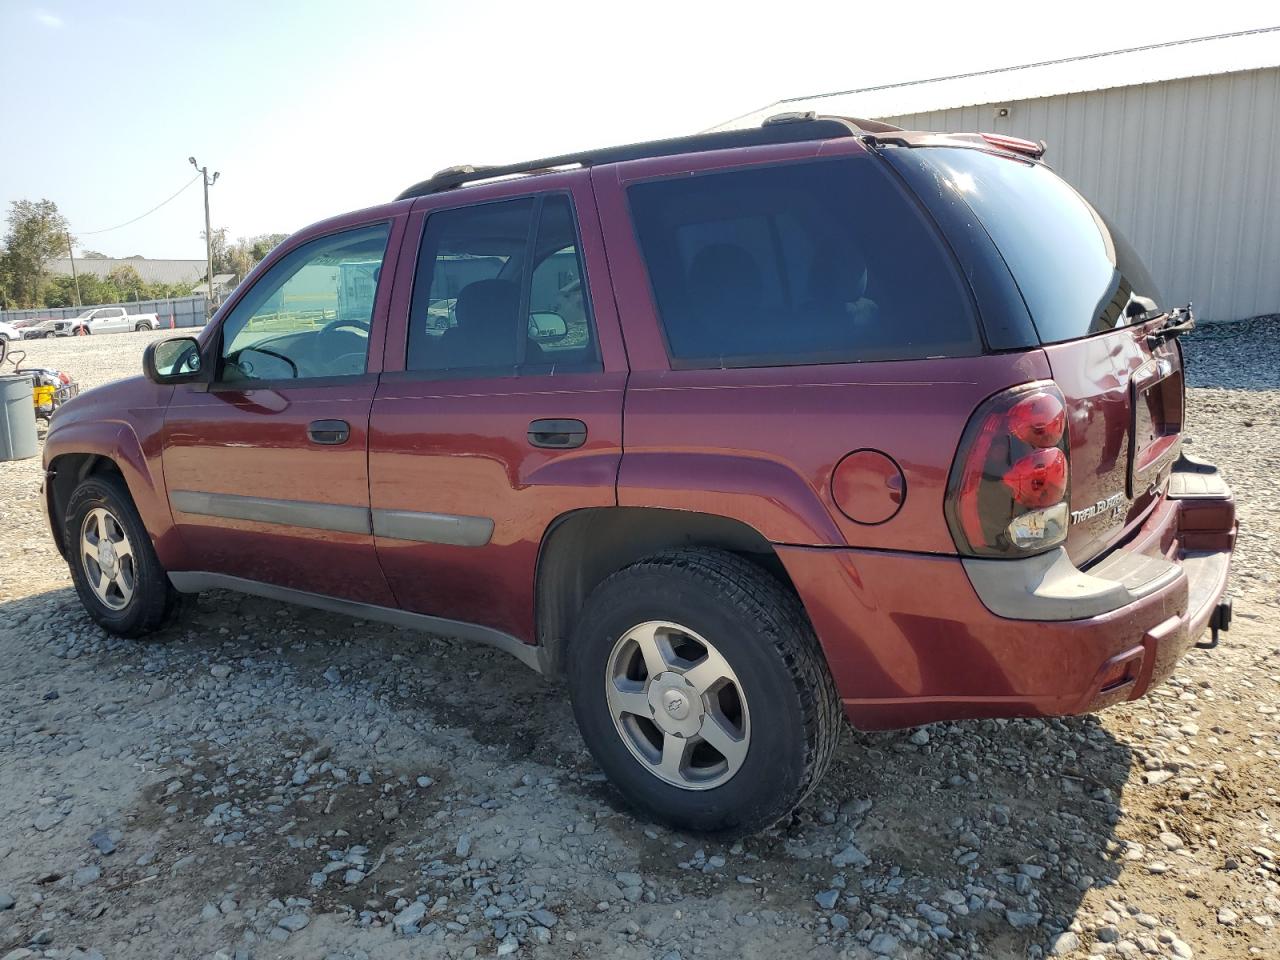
[
  {"x": 818, "y": 262},
  {"x": 1076, "y": 272}
]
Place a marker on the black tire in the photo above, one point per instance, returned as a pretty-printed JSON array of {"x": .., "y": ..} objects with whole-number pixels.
[
  {"x": 138, "y": 328},
  {"x": 760, "y": 628},
  {"x": 154, "y": 600}
]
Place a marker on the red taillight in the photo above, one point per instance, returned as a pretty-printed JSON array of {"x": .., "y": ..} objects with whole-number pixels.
[
  {"x": 1039, "y": 479},
  {"x": 1038, "y": 419},
  {"x": 1008, "y": 490}
]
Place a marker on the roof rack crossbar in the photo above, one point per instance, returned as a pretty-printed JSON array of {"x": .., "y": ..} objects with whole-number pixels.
[{"x": 787, "y": 129}]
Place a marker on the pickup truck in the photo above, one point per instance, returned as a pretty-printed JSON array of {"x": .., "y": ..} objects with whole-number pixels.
[{"x": 95, "y": 320}]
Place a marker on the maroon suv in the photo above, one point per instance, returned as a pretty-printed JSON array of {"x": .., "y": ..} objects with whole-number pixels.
[{"x": 736, "y": 432}]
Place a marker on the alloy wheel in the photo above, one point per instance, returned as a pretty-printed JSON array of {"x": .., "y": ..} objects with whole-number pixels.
[
  {"x": 107, "y": 558},
  {"x": 678, "y": 705}
]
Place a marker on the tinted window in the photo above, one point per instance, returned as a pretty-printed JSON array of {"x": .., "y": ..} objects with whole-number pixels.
[
  {"x": 821, "y": 262},
  {"x": 500, "y": 292},
  {"x": 1077, "y": 274},
  {"x": 309, "y": 316}
]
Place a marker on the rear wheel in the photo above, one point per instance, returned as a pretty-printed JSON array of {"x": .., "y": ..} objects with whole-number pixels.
[
  {"x": 701, "y": 691},
  {"x": 142, "y": 325},
  {"x": 113, "y": 565}
]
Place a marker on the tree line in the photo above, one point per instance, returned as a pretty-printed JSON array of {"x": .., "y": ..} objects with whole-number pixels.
[{"x": 38, "y": 234}]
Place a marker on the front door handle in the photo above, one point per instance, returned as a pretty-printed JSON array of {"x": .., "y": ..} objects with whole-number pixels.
[
  {"x": 557, "y": 434},
  {"x": 329, "y": 432}
]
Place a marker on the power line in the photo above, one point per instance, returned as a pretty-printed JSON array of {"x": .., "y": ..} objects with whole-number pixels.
[
  {"x": 90, "y": 233},
  {"x": 996, "y": 70}
]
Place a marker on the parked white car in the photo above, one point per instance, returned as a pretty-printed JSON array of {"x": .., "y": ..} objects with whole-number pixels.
[
  {"x": 96, "y": 320},
  {"x": 9, "y": 332}
]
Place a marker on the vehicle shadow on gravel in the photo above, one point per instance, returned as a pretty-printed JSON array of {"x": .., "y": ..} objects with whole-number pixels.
[{"x": 986, "y": 831}]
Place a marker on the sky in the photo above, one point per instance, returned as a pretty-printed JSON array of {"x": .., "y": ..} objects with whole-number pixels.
[{"x": 308, "y": 109}]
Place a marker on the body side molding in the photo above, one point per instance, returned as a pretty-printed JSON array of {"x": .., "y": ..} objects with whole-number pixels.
[
  {"x": 424, "y": 527},
  {"x": 447, "y": 528},
  {"x": 530, "y": 656}
]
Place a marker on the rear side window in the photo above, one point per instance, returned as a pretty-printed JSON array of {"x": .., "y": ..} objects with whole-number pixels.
[
  {"x": 499, "y": 292},
  {"x": 818, "y": 262},
  {"x": 1077, "y": 274}
]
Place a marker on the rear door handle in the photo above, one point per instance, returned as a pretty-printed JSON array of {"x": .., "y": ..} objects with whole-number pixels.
[
  {"x": 557, "y": 434},
  {"x": 329, "y": 432}
]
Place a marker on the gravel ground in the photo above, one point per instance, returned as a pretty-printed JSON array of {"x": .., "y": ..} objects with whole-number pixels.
[{"x": 261, "y": 781}]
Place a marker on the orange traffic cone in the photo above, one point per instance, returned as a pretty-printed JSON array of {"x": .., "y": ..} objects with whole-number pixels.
[{"x": 172, "y": 322}]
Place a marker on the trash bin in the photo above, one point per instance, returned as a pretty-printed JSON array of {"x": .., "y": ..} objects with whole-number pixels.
[{"x": 17, "y": 417}]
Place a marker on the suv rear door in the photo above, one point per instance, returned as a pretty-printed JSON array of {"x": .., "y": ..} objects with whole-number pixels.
[
  {"x": 500, "y": 407},
  {"x": 266, "y": 466},
  {"x": 1093, "y": 305}
]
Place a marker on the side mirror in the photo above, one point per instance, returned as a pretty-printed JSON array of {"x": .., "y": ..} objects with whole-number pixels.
[
  {"x": 547, "y": 327},
  {"x": 173, "y": 361}
]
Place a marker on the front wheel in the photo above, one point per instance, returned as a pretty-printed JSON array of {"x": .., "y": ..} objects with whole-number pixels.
[
  {"x": 113, "y": 565},
  {"x": 701, "y": 690}
]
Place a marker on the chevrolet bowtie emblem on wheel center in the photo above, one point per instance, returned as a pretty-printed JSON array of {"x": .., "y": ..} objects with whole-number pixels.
[{"x": 676, "y": 704}]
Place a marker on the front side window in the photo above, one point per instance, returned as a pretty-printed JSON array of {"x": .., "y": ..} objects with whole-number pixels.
[
  {"x": 500, "y": 292},
  {"x": 310, "y": 315},
  {"x": 816, "y": 262}
]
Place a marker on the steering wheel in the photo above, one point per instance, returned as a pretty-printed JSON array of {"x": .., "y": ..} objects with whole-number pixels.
[{"x": 340, "y": 324}]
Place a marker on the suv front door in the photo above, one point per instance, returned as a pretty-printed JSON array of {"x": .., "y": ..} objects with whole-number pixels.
[
  {"x": 266, "y": 466},
  {"x": 501, "y": 405}
]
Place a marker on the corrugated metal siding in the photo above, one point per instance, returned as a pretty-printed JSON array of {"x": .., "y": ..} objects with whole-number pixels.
[{"x": 1187, "y": 169}]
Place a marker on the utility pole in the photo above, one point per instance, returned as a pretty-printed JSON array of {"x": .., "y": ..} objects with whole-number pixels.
[
  {"x": 208, "y": 233},
  {"x": 74, "y": 279}
]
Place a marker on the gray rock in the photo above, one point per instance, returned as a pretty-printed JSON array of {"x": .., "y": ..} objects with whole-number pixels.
[
  {"x": 1226, "y": 916},
  {"x": 827, "y": 899},
  {"x": 920, "y": 737},
  {"x": 463, "y": 849},
  {"x": 1180, "y": 949},
  {"x": 220, "y": 671},
  {"x": 1064, "y": 943},
  {"x": 293, "y": 922},
  {"x": 1020, "y": 919},
  {"x": 85, "y": 876},
  {"x": 425, "y": 781},
  {"x": 333, "y": 675},
  {"x": 6, "y": 902},
  {"x": 508, "y": 946},
  {"x": 407, "y": 920},
  {"x": 850, "y": 856},
  {"x": 839, "y": 922},
  {"x": 543, "y": 917},
  {"x": 883, "y": 944},
  {"x": 104, "y": 841},
  {"x": 47, "y": 820},
  {"x": 1032, "y": 870}
]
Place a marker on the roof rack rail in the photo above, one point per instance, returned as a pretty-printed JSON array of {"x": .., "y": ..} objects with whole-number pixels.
[{"x": 786, "y": 128}]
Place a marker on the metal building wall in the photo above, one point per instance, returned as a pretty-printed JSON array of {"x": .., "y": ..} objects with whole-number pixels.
[{"x": 1189, "y": 170}]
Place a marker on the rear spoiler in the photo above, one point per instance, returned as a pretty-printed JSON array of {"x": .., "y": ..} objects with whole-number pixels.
[{"x": 1000, "y": 141}]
